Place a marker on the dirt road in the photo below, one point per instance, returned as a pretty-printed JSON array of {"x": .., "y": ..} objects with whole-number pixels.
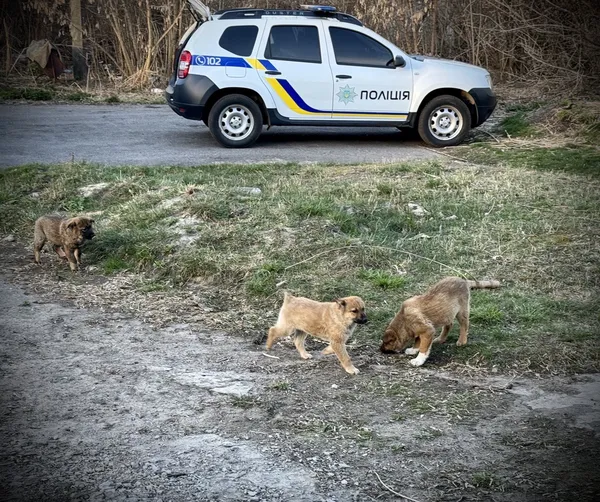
[{"x": 96, "y": 404}]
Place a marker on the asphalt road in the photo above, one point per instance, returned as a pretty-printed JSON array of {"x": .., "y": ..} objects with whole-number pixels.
[{"x": 154, "y": 135}]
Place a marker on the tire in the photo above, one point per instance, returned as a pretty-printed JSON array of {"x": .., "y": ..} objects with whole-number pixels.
[
  {"x": 444, "y": 121},
  {"x": 235, "y": 121}
]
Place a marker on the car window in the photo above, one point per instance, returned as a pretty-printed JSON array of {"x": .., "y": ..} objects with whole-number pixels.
[
  {"x": 294, "y": 43},
  {"x": 239, "y": 39},
  {"x": 355, "y": 49}
]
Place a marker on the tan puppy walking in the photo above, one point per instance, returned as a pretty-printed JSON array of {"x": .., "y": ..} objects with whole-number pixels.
[
  {"x": 420, "y": 315},
  {"x": 331, "y": 321},
  {"x": 66, "y": 235}
]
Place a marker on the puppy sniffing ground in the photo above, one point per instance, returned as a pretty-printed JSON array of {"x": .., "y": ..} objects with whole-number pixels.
[
  {"x": 330, "y": 321},
  {"x": 67, "y": 236},
  {"x": 420, "y": 315}
]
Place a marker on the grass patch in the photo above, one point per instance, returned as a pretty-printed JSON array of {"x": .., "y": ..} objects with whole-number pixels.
[
  {"x": 454, "y": 405},
  {"x": 114, "y": 264},
  {"x": 281, "y": 385},
  {"x": 383, "y": 279},
  {"x": 244, "y": 402},
  {"x": 531, "y": 221},
  {"x": 582, "y": 116},
  {"x": 576, "y": 159},
  {"x": 30, "y": 94},
  {"x": 516, "y": 125},
  {"x": 78, "y": 96},
  {"x": 263, "y": 279},
  {"x": 485, "y": 479},
  {"x": 525, "y": 107}
]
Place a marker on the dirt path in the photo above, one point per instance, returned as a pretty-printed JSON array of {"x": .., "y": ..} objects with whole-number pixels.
[{"x": 99, "y": 405}]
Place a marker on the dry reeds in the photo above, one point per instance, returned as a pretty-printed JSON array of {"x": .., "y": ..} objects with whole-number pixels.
[{"x": 554, "y": 44}]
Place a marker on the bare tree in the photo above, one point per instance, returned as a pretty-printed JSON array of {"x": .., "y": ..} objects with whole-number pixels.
[
  {"x": 76, "y": 28},
  {"x": 554, "y": 44}
]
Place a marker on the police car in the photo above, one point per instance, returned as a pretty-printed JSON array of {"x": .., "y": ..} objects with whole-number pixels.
[{"x": 239, "y": 70}]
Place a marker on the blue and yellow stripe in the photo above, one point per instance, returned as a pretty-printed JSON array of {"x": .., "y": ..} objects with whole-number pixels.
[{"x": 288, "y": 94}]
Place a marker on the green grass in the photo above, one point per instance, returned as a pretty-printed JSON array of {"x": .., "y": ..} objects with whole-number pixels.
[
  {"x": 529, "y": 220},
  {"x": 485, "y": 479},
  {"x": 281, "y": 385},
  {"x": 60, "y": 93},
  {"x": 244, "y": 402},
  {"x": 78, "y": 96},
  {"x": 516, "y": 125},
  {"x": 382, "y": 279},
  {"x": 30, "y": 94},
  {"x": 42, "y": 94},
  {"x": 575, "y": 159}
]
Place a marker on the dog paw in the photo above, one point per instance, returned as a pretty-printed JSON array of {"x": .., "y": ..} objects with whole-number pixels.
[
  {"x": 352, "y": 371},
  {"x": 411, "y": 352},
  {"x": 460, "y": 343},
  {"x": 306, "y": 356},
  {"x": 417, "y": 361},
  {"x": 439, "y": 340}
]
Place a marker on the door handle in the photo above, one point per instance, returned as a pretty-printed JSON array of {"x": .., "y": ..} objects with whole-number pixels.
[
  {"x": 343, "y": 76},
  {"x": 271, "y": 72}
]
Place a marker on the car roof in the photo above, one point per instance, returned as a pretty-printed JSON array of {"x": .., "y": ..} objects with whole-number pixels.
[{"x": 250, "y": 13}]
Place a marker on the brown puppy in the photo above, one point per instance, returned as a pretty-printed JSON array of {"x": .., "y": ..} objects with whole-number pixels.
[
  {"x": 66, "y": 235},
  {"x": 332, "y": 321},
  {"x": 419, "y": 317}
]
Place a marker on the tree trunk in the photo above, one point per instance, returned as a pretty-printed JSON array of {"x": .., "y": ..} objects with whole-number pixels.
[
  {"x": 8, "y": 58},
  {"x": 79, "y": 62}
]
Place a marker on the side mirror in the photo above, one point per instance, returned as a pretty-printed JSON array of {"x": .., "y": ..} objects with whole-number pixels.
[{"x": 399, "y": 62}]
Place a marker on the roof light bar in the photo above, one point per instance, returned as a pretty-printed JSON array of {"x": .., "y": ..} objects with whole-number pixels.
[{"x": 319, "y": 8}]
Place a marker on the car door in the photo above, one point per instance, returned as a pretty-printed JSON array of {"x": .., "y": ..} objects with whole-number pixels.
[
  {"x": 293, "y": 64},
  {"x": 367, "y": 85}
]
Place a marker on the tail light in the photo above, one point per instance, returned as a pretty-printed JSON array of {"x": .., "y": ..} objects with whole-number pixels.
[{"x": 184, "y": 64}]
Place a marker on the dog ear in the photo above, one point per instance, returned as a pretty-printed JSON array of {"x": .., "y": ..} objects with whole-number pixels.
[
  {"x": 341, "y": 302},
  {"x": 92, "y": 221},
  {"x": 72, "y": 223}
]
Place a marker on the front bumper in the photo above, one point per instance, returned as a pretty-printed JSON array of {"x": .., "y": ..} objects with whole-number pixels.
[
  {"x": 188, "y": 96},
  {"x": 485, "y": 102}
]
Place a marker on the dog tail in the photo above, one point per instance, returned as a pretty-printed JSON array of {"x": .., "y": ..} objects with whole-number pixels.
[{"x": 483, "y": 284}]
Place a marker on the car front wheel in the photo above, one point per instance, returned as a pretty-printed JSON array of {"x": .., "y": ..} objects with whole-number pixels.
[
  {"x": 235, "y": 121},
  {"x": 444, "y": 121}
]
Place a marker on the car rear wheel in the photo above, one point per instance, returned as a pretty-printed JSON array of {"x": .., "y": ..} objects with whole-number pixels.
[
  {"x": 235, "y": 121},
  {"x": 444, "y": 121}
]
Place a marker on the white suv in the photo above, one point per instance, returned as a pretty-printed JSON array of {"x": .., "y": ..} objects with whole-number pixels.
[{"x": 238, "y": 70}]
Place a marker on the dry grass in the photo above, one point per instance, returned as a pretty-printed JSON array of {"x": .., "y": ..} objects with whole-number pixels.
[{"x": 216, "y": 255}]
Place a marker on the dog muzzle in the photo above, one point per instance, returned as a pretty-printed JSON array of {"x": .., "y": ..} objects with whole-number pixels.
[{"x": 362, "y": 320}]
